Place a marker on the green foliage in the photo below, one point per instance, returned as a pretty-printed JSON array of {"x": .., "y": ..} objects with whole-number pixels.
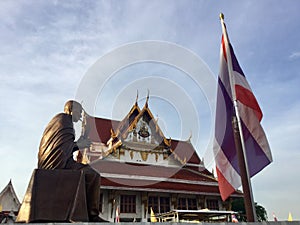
[
  {"x": 238, "y": 206},
  {"x": 261, "y": 213}
]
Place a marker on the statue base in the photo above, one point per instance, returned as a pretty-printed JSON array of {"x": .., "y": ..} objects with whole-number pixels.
[{"x": 54, "y": 196}]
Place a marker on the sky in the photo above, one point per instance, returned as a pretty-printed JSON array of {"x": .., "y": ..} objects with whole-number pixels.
[{"x": 53, "y": 51}]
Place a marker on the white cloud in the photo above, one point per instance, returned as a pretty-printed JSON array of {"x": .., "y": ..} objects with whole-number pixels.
[{"x": 294, "y": 55}]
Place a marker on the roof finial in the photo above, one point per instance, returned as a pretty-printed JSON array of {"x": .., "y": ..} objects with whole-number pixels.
[
  {"x": 190, "y": 137},
  {"x": 137, "y": 97},
  {"x": 147, "y": 99}
]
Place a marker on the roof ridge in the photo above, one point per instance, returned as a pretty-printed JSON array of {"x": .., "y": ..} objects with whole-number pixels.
[{"x": 202, "y": 174}]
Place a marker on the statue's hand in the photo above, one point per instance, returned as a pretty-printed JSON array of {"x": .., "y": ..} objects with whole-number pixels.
[{"x": 83, "y": 143}]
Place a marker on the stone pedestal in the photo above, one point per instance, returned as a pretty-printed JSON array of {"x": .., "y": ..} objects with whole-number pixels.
[{"x": 54, "y": 196}]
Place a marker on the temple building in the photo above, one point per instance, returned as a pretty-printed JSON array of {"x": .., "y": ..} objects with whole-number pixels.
[
  {"x": 142, "y": 170},
  {"x": 9, "y": 204}
]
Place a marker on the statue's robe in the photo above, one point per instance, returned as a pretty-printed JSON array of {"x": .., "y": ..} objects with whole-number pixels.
[{"x": 57, "y": 144}]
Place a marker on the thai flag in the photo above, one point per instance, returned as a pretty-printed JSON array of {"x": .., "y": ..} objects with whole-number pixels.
[{"x": 258, "y": 153}]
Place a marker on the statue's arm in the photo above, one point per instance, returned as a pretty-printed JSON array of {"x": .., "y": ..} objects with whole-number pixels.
[
  {"x": 75, "y": 148},
  {"x": 82, "y": 143}
]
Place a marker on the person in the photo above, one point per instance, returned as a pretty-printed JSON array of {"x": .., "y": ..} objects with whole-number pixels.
[{"x": 56, "y": 152}]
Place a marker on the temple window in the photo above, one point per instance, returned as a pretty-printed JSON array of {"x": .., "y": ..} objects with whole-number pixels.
[
  {"x": 153, "y": 203},
  {"x": 128, "y": 204},
  {"x": 159, "y": 204},
  {"x": 187, "y": 203},
  {"x": 212, "y": 204},
  {"x": 164, "y": 204}
]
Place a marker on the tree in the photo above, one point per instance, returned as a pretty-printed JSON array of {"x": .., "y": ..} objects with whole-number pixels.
[
  {"x": 261, "y": 213},
  {"x": 238, "y": 206}
]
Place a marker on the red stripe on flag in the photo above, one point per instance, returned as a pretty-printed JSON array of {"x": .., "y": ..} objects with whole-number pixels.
[
  {"x": 225, "y": 187},
  {"x": 224, "y": 48},
  {"x": 247, "y": 98}
]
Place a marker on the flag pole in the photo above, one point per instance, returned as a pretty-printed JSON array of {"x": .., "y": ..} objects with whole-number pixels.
[{"x": 238, "y": 136}]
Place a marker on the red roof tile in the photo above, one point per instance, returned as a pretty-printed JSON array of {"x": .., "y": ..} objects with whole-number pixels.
[
  {"x": 185, "y": 150},
  {"x": 99, "y": 128},
  {"x": 136, "y": 169},
  {"x": 136, "y": 176},
  {"x": 158, "y": 186}
]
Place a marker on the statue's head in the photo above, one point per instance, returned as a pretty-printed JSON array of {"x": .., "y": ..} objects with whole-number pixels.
[{"x": 73, "y": 108}]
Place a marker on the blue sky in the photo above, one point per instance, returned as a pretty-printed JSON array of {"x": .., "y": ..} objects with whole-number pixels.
[{"x": 47, "y": 48}]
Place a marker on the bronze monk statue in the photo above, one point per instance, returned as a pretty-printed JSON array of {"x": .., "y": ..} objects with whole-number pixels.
[{"x": 56, "y": 152}]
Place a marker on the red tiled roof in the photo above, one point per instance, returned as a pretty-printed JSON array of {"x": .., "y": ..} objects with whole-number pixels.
[
  {"x": 185, "y": 150},
  {"x": 145, "y": 170},
  {"x": 134, "y": 175},
  {"x": 99, "y": 128},
  {"x": 163, "y": 186}
]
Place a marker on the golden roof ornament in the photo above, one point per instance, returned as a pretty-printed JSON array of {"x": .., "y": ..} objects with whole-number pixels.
[
  {"x": 137, "y": 97},
  {"x": 147, "y": 99}
]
